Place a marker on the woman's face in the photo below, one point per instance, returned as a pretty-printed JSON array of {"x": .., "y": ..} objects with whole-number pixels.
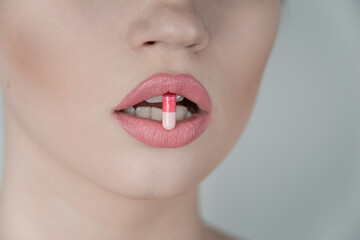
[{"x": 66, "y": 64}]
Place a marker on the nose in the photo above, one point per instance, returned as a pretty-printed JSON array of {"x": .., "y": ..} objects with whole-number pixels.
[{"x": 172, "y": 24}]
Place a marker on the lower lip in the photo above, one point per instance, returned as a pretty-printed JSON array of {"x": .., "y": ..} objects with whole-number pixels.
[{"x": 152, "y": 133}]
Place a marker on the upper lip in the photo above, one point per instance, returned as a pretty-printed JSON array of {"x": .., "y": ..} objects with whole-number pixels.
[{"x": 161, "y": 83}]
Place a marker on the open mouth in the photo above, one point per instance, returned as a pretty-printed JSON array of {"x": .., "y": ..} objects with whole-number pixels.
[
  {"x": 152, "y": 108},
  {"x": 142, "y": 110}
]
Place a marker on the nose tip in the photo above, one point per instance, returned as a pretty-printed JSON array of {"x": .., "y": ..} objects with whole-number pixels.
[{"x": 171, "y": 27}]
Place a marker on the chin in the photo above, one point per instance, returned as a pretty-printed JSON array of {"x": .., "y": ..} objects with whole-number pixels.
[
  {"x": 144, "y": 178},
  {"x": 142, "y": 189}
]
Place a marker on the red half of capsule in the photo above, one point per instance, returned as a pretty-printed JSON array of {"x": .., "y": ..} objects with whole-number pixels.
[{"x": 169, "y": 102}]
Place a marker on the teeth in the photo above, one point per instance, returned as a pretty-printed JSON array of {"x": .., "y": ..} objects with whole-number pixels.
[
  {"x": 154, "y": 99},
  {"x": 180, "y": 112},
  {"x": 158, "y": 99},
  {"x": 179, "y": 98},
  {"x": 143, "y": 112},
  {"x": 130, "y": 110},
  {"x": 156, "y": 113}
]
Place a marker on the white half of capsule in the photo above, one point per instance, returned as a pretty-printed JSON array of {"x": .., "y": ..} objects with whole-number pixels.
[{"x": 168, "y": 120}]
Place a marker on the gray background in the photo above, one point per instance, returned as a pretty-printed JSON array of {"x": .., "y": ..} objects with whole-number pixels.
[{"x": 294, "y": 174}]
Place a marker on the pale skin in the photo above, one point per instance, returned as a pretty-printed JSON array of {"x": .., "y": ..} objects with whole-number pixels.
[{"x": 70, "y": 171}]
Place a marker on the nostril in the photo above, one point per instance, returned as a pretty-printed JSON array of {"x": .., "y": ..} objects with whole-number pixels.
[{"x": 149, "y": 43}]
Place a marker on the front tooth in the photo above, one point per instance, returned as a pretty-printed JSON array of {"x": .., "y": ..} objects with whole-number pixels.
[
  {"x": 154, "y": 99},
  {"x": 188, "y": 114},
  {"x": 143, "y": 112},
  {"x": 158, "y": 99},
  {"x": 180, "y": 112},
  {"x": 156, "y": 113},
  {"x": 130, "y": 110},
  {"x": 179, "y": 98}
]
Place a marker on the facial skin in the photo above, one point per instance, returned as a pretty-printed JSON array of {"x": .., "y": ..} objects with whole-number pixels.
[{"x": 65, "y": 65}]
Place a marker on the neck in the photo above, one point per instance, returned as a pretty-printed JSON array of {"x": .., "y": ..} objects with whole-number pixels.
[{"x": 42, "y": 199}]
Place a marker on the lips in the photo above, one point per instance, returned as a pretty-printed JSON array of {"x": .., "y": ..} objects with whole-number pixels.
[{"x": 150, "y": 131}]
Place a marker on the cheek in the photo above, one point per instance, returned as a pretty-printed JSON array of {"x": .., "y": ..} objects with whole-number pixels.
[
  {"x": 32, "y": 61},
  {"x": 58, "y": 91},
  {"x": 53, "y": 66},
  {"x": 241, "y": 51}
]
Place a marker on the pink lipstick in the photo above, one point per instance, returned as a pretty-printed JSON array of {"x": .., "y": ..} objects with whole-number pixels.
[{"x": 151, "y": 132}]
